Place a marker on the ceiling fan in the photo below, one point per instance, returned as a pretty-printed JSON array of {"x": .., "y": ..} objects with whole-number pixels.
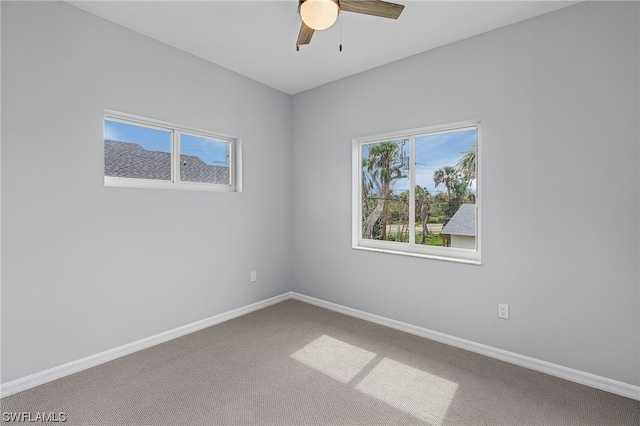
[{"x": 321, "y": 14}]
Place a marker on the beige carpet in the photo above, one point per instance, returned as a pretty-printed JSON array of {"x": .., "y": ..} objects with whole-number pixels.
[{"x": 293, "y": 363}]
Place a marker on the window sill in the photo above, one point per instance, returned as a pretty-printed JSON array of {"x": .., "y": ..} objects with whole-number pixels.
[
  {"x": 390, "y": 250},
  {"x": 117, "y": 182}
]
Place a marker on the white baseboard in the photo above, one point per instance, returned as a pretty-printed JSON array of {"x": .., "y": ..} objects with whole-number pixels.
[
  {"x": 588, "y": 379},
  {"x": 577, "y": 376},
  {"x": 54, "y": 373}
]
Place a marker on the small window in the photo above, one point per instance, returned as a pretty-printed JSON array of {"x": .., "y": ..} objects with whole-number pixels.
[
  {"x": 146, "y": 153},
  {"x": 416, "y": 193}
]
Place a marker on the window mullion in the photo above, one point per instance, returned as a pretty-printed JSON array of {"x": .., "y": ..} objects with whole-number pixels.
[
  {"x": 412, "y": 192},
  {"x": 175, "y": 156}
]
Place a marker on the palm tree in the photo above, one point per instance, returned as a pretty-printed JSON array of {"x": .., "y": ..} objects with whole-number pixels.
[
  {"x": 446, "y": 175},
  {"x": 460, "y": 194},
  {"x": 467, "y": 164},
  {"x": 422, "y": 200},
  {"x": 382, "y": 166}
]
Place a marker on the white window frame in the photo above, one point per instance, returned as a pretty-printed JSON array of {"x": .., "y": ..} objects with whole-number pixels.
[
  {"x": 469, "y": 256},
  {"x": 175, "y": 182}
]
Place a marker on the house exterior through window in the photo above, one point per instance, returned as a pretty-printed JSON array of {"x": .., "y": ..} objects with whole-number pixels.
[{"x": 147, "y": 153}]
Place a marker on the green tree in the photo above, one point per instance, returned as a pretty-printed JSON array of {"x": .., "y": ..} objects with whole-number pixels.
[
  {"x": 467, "y": 164},
  {"x": 382, "y": 166},
  {"x": 447, "y": 176},
  {"x": 459, "y": 195},
  {"x": 422, "y": 203}
]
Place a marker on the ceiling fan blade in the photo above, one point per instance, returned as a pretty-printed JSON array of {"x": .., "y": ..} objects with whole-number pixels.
[
  {"x": 372, "y": 7},
  {"x": 304, "y": 37}
]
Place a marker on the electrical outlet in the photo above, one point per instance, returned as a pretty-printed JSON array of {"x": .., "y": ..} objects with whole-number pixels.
[
  {"x": 254, "y": 276},
  {"x": 503, "y": 310}
]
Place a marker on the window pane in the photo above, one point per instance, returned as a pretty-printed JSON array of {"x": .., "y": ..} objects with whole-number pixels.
[
  {"x": 136, "y": 152},
  {"x": 385, "y": 192},
  {"x": 204, "y": 159},
  {"x": 445, "y": 189}
]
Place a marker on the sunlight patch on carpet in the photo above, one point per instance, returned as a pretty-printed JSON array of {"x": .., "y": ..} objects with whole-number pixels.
[
  {"x": 335, "y": 358},
  {"x": 413, "y": 391}
]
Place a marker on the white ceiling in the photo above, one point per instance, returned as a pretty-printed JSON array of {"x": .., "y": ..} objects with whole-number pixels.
[{"x": 257, "y": 38}]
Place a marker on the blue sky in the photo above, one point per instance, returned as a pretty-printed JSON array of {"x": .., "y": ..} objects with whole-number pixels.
[
  {"x": 436, "y": 151},
  {"x": 211, "y": 151}
]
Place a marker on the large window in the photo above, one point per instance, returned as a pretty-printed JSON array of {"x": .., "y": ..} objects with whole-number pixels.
[
  {"x": 146, "y": 153},
  {"x": 417, "y": 193}
]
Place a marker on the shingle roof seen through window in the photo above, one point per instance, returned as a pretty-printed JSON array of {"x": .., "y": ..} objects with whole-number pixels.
[
  {"x": 130, "y": 160},
  {"x": 463, "y": 221}
]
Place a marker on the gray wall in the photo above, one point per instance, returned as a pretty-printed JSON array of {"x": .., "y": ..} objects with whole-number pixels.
[
  {"x": 558, "y": 100},
  {"x": 87, "y": 268}
]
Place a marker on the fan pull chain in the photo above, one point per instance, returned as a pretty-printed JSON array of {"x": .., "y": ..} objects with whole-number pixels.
[{"x": 341, "y": 32}]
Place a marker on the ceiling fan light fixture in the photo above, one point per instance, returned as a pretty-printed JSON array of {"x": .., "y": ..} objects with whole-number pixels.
[{"x": 319, "y": 14}]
